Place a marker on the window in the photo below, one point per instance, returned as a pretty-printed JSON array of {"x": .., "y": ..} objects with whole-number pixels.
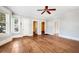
[
  {"x": 16, "y": 25},
  {"x": 2, "y": 23}
]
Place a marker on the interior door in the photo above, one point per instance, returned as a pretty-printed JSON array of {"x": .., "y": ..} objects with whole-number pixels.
[
  {"x": 42, "y": 27},
  {"x": 34, "y": 27}
]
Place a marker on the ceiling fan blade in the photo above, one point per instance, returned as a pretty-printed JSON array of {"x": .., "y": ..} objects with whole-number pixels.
[
  {"x": 40, "y": 9},
  {"x": 46, "y": 7},
  {"x": 48, "y": 12},
  {"x": 52, "y": 9},
  {"x": 42, "y": 12}
]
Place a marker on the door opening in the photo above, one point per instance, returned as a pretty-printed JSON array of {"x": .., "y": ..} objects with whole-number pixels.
[
  {"x": 42, "y": 28},
  {"x": 34, "y": 28}
]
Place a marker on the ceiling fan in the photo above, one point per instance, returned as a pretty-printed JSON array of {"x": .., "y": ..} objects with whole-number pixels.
[{"x": 46, "y": 9}]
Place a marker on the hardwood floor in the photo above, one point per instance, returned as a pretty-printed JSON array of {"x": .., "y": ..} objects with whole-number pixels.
[{"x": 41, "y": 44}]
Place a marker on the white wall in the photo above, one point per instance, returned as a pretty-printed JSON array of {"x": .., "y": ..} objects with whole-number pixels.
[
  {"x": 68, "y": 25},
  {"x": 39, "y": 27},
  {"x": 26, "y": 26},
  {"x": 49, "y": 27},
  {"x": 52, "y": 26},
  {"x": 8, "y": 24}
]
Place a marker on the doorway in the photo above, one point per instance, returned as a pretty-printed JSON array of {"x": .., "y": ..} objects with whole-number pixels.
[
  {"x": 42, "y": 28},
  {"x": 34, "y": 28}
]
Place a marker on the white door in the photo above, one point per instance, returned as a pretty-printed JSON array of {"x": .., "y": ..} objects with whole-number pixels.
[{"x": 26, "y": 27}]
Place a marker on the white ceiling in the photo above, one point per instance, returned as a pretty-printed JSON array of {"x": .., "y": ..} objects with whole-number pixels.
[{"x": 31, "y": 11}]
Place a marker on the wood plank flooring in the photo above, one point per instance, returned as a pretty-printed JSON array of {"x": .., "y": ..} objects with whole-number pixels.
[{"x": 41, "y": 44}]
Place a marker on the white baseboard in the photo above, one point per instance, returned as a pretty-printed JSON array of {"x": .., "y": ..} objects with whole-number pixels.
[
  {"x": 73, "y": 38},
  {"x": 5, "y": 41},
  {"x": 11, "y": 38}
]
